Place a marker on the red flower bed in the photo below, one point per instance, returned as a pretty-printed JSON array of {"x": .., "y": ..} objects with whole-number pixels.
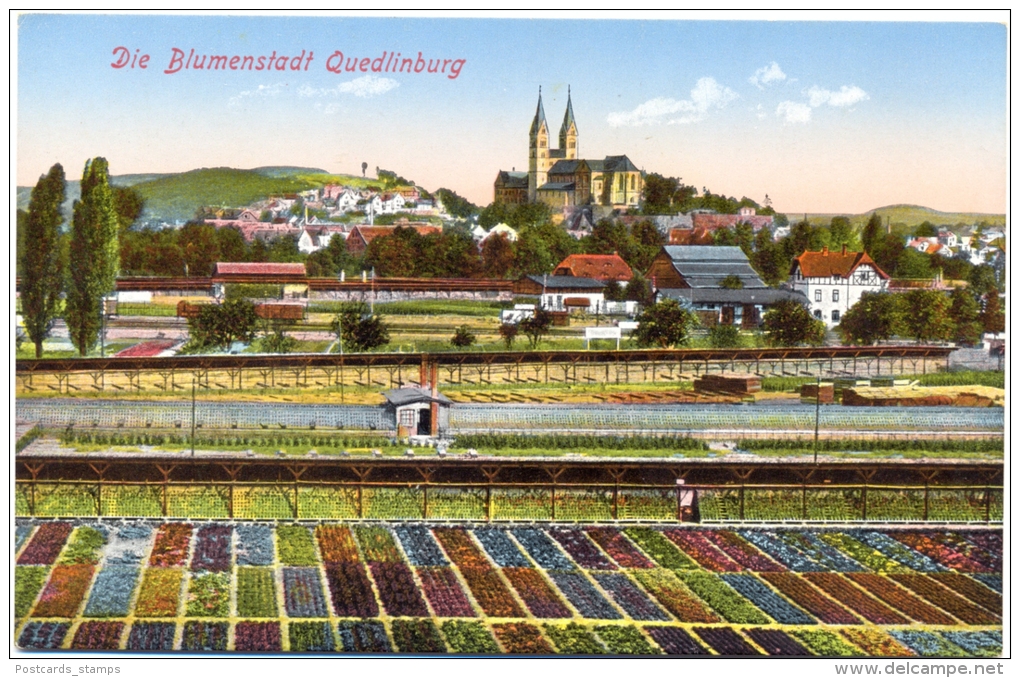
[
  {"x": 336, "y": 544},
  {"x": 742, "y": 552},
  {"x": 491, "y": 593},
  {"x": 990, "y": 558},
  {"x": 702, "y": 550},
  {"x": 939, "y": 595},
  {"x": 64, "y": 591},
  {"x": 876, "y": 643},
  {"x": 970, "y": 589},
  {"x": 98, "y": 635},
  {"x": 212, "y": 548},
  {"x": 581, "y": 549},
  {"x": 619, "y": 548},
  {"x": 146, "y": 349},
  {"x": 808, "y": 597},
  {"x": 941, "y": 553},
  {"x": 350, "y": 590},
  {"x": 901, "y": 599},
  {"x": 171, "y": 546},
  {"x": 46, "y": 544},
  {"x": 854, "y": 598},
  {"x": 397, "y": 590},
  {"x": 536, "y": 594},
  {"x": 461, "y": 549},
  {"x": 444, "y": 593},
  {"x": 257, "y": 637},
  {"x": 521, "y": 638}
]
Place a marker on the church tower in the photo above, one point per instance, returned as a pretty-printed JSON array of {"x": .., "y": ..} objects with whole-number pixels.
[
  {"x": 568, "y": 132},
  {"x": 538, "y": 151}
]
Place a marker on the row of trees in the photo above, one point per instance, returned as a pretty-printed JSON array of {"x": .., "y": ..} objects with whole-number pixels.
[
  {"x": 91, "y": 254},
  {"x": 924, "y": 315}
]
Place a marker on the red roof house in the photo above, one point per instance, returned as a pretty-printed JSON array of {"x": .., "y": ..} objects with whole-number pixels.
[{"x": 604, "y": 267}]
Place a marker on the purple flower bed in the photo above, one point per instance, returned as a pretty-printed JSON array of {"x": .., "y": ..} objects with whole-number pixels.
[
  {"x": 631, "y": 598},
  {"x": 990, "y": 541},
  {"x": 212, "y": 549},
  {"x": 254, "y": 545},
  {"x": 777, "y": 643},
  {"x": 397, "y": 590},
  {"x": 619, "y": 548},
  {"x": 257, "y": 637},
  {"x": 419, "y": 545},
  {"x": 536, "y": 593},
  {"x": 363, "y": 637},
  {"x": 350, "y": 590},
  {"x": 111, "y": 592},
  {"x": 897, "y": 551},
  {"x": 204, "y": 636},
  {"x": 43, "y": 635},
  {"x": 542, "y": 549},
  {"x": 583, "y": 596},
  {"x": 503, "y": 551},
  {"x": 151, "y": 636},
  {"x": 444, "y": 592},
  {"x": 675, "y": 641},
  {"x": 992, "y": 581},
  {"x": 725, "y": 641},
  {"x": 767, "y": 600},
  {"x": 46, "y": 544},
  {"x": 779, "y": 550},
  {"x": 311, "y": 637},
  {"x": 581, "y": 549},
  {"x": 821, "y": 552},
  {"x": 95, "y": 635},
  {"x": 302, "y": 592}
]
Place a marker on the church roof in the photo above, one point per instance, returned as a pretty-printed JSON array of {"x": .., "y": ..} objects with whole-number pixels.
[
  {"x": 557, "y": 186},
  {"x": 539, "y": 120},
  {"x": 568, "y": 120},
  {"x": 512, "y": 179},
  {"x": 566, "y": 166},
  {"x": 618, "y": 163}
]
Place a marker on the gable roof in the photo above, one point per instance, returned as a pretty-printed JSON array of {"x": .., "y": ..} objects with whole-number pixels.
[
  {"x": 597, "y": 266},
  {"x": 618, "y": 163},
  {"x": 414, "y": 394},
  {"x": 512, "y": 179},
  {"x": 709, "y": 265},
  {"x": 566, "y": 282},
  {"x": 827, "y": 263}
]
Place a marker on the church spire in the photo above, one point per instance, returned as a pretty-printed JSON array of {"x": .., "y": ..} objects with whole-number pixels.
[
  {"x": 539, "y": 120},
  {"x": 568, "y": 120}
]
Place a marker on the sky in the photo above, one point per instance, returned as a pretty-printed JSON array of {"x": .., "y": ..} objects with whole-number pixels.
[{"x": 822, "y": 116}]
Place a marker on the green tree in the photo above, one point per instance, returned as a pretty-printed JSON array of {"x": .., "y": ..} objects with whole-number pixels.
[
  {"x": 357, "y": 329},
  {"x": 724, "y": 336},
  {"x": 913, "y": 264},
  {"x": 993, "y": 319},
  {"x": 926, "y": 229},
  {"x": 872, "y": 234},
  {"x": 788, "y": 323},
  {"x": 497, "y": 256},
  {"x": 276, "y": 341},
  {"x": 614, "y": 291},
  {"x": 508, "y": 333},
  {"x": 535, "y": 327},
  {"x": 965, "y": 314},
  {"x": 982, "y": 280},
  {"x": 220, "y": 325},
  {"x": 926, "y": 315},
  {"x": 841, "y": 232},
  {"x": 94, "y": 255},
  {"x": 875, "y": 317},
  {"x": 462, "y": 337},
  {"x": 128, "y": 204},
  {"x": 639, "y": 289},
  {"x": 40, "y": 257},
  {"x": 664, "y": 324},
  {"x": 455, "y": 205}
]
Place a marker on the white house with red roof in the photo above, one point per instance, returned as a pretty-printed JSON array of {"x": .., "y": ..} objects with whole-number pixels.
[{"x": 834, "y": 281}]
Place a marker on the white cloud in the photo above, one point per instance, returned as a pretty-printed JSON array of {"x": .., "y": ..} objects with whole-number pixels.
[
  {"x": 767, "y": 75},
  {"x": 365, "y": 86},
  {"x": 759, "y": 111},
  {"x": 793, "y": 111},
  {"x": 260, "y": 91},
  {"x": 846, "y": 96},
  {"x": 707, "y": 94}
]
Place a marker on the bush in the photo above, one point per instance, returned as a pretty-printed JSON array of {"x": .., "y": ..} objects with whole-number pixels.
[
  {"x": 462, "y": 338},
  {"x": 724, "y": 336}
]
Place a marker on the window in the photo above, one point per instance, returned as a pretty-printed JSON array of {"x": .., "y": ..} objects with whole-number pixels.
[
  {"x": 835, "y": 295},
  {"x": 632, "y": 182},
  {"x": 407, "y": 418},
  {"x": 835, "y": 316},
  {"x": 818, "y": 314},
  {"x": 818, "y": 295},
  {"x": 835, "y": 278}
]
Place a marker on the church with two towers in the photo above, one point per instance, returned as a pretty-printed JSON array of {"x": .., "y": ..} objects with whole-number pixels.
[{"x": 559, "y": 178}]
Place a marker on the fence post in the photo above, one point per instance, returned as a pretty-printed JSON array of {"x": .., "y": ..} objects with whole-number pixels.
[
  {"x": 741, "y": 499},
  {"x": 988, "y": 504}
]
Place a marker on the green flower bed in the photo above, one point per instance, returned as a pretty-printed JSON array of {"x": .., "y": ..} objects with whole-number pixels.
[
  {"x": 27, "y": 583},
  {"x": 393, "y": 503},
  {"x": 466, "y": 637},
  {"x": 719, "y": 504},
  {"x": 457, "y": 503},
  {"x": 895, "y": 504},
  {"x": 582, "y": 505},
  {"x": 573, "y": 639},
  {"x": 208, "y": 501},
  {"x": 723, "y": 599},
  {"x": 871, "y": 558},
  {"x": 209, "y": 595},
  {"x": 83, "y": 547},
  {"x": 65, "y": 500},
  {"x": 133, "y": 500},
  {"x": 646, "y": 505},
  {"x": 256, "y": 592},
  {"x": 625, "y": 640},
  {"x": 660, "y": 549},
  {"x": 22, "y": 493},
  {"x": 327, "y": 502},
  {"x": 264, "y": 501},
  {"x": 294, "y": 545},
  {"x": 826, "y": 643},
  {"x": 521, "y": 504}
]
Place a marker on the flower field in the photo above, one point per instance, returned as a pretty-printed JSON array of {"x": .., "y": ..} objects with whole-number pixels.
[{"x": 389, "y": 587}]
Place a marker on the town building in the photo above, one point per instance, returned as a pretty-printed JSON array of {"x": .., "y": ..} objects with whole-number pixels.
[
  {"x": 564, "y": 292},
  {"x": 559, "y": 178},
  {"x": 834, "y": 281},
  {"x": 604, "y": 267}
]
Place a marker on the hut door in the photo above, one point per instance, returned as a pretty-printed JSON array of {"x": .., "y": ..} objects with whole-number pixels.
[
  {"x": 727, "y": 315},
  {"x": 424, "y": 422}
]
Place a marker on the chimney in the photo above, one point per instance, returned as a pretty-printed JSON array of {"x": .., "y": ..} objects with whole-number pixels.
[{"x": 844, "y": 249}]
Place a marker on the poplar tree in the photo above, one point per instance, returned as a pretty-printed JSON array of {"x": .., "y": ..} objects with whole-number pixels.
[
  {"x": 41, "y": 266},
  {"x": 94, "y": 255}
]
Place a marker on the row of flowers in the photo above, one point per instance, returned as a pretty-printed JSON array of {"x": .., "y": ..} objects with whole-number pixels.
[{"x": 419, "y": 636}]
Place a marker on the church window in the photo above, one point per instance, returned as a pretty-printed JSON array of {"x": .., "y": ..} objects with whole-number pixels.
[
  {"x": 541, "y": 143},
  {"x": 632, "y": 182}
]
